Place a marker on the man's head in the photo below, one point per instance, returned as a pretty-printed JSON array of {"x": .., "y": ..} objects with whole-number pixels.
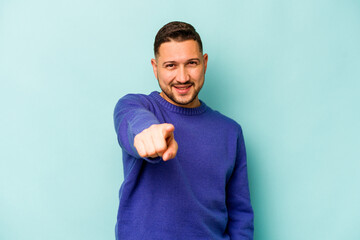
[
  {"x": 176, "y": 31},
  {"x": 179, "y": 64}
]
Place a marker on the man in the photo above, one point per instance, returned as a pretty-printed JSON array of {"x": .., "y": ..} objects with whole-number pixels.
[{"x": 185, "y": 174}]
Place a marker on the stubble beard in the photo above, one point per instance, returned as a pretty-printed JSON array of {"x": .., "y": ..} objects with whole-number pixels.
[{"x": 173, "y": 98}]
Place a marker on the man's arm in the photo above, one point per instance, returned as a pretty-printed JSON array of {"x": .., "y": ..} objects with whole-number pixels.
[
  {"x": 140, "y": 133},
  {"x": 241, "y": 216}
]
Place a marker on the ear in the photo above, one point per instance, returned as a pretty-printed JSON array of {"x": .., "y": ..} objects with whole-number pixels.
[
  {"x": 205, "y": 59},
  {"x": 154, "y": 65}
]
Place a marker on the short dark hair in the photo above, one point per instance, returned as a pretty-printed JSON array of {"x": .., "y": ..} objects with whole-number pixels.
[{"x": 177, "y": 31}]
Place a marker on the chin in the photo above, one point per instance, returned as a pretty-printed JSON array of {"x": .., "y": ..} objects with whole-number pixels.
[
  {"x": 186, "y": 100},
  {"x": 181, "y": 100}
]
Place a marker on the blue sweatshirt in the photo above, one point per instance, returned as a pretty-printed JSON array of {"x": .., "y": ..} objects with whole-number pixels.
[{"x": 202, "y": 193}]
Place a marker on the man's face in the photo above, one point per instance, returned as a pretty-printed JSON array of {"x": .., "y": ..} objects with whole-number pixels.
[{"x": 180, "y": 69}]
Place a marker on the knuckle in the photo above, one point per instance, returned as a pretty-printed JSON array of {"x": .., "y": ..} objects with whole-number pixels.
[
  {"x": 151, "y": 152},
  {"x": 144, "y": 132},
  {"x": 148, "y": 149},
  {"x": 139, "y": 137},
  {"x": 160, "y": 149},
  {"x": 152, "y": 127},
  {"x": 136, "y": 138}
]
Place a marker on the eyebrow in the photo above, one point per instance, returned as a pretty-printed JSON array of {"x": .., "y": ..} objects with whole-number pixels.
[
  {"x": 189, "y": 60},
  {"x": 193, "y": 59},
  {"x": 168, "y": 62}
]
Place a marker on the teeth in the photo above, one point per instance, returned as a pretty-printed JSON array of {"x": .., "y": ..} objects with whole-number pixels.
[{"x": 182, "y": 88}]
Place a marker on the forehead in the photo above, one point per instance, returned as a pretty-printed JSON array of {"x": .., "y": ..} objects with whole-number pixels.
[{"x": 173, "y": 50}]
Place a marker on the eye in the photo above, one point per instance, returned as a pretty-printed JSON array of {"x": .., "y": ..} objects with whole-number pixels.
[
  {"x": 193, "y": 63},
  {"x": 170, "y": 65}
]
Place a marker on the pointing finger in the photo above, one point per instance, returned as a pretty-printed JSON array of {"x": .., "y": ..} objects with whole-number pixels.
[
  {"x": 167, "y": 130},
  {"x": 170, "y": 153}
]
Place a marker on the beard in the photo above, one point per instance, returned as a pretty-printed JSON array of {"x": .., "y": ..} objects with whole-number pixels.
[{"x": 178, "y": 100}]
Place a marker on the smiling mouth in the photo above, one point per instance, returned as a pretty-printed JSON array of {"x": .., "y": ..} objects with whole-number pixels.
[
  {"x": 182, "y": 89},
  {"x": 180, "y": 86}
]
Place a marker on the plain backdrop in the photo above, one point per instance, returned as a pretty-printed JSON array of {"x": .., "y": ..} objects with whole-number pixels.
[{"x": 287, "y": 71}]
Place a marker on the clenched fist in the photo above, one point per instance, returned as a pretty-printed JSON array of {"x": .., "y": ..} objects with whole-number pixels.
[{"x": 157, "y": 141}]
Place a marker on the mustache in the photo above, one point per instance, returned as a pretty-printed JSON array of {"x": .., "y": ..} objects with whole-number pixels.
[{"x": 182, "y": 84}]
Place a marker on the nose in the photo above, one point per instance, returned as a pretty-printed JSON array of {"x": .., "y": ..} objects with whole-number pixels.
[{"x": 182, "y": 74}]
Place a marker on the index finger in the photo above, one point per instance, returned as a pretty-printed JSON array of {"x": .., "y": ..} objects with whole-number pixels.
[{"x": 167, "y": 130}]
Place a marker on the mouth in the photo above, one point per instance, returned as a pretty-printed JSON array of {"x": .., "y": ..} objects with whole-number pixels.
[{"x": 182, "y": 89}]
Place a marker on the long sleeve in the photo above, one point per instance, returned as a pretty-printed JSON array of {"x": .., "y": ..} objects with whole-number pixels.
[
  {"x": 131, "y": 116},
  {"x": 240, "y": 212}
]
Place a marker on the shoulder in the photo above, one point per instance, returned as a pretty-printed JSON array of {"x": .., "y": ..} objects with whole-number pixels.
[
  {"x": 225, "y": 121},
  {"x": 134, "y": 99}
]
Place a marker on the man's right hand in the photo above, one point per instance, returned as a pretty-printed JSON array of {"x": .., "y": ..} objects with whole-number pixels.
[{"x": 157, "y": 141}]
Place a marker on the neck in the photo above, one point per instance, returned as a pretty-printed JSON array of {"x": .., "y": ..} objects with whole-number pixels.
[{"x": 193, "y": 104}]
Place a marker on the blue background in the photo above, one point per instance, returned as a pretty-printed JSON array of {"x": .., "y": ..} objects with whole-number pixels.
[{"x": 287, "y": 71}]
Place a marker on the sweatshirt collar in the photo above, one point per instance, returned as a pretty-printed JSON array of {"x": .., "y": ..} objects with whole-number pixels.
[{"x": 186, "y": 111}]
